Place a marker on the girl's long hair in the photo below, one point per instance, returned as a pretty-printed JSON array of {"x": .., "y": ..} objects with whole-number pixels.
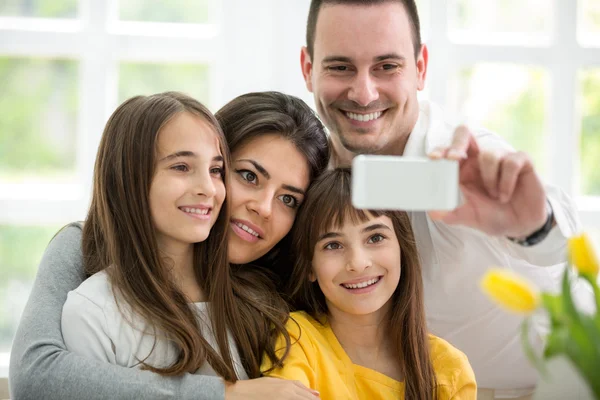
[
  {"x": 327, "y": 204},
  {"x": 119, "y": 232}
]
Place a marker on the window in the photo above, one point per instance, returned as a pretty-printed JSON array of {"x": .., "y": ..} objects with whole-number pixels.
[{"x": 528, "y": 69}]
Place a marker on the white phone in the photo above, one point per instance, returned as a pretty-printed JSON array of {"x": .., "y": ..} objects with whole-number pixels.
[{"x": 404, "y": 183}]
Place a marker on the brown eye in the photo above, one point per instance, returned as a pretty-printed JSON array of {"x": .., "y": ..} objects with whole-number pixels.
[
  {"x": 248, "y": 176},
  {"x": 289, "y": 200}
]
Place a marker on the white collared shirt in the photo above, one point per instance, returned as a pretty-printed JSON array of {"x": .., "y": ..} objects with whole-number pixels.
[{"x": 454, "y": 259}]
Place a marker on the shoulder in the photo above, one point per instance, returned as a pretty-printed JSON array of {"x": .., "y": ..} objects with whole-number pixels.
[
  {"x": 69, "y": 237},
  {"x": 301, "y": 320},
  {"x": 441, "y": 126},
  {"x": 94, "y": 292},
  {"x": 451, "y": 366},
  {"x": 305, "y": 329}
]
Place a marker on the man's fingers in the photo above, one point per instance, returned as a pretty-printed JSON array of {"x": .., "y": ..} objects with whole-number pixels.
[
  {"x": 437, "y": 153},
  {"x": 510, "y": 169},
  {"x": 463, "y": 144},
  {"x": 489, "y": 165}
]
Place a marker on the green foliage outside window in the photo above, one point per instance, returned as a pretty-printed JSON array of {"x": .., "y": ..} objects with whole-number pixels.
[
  {"x": 590, "y": 132},
  {"x": 181, "y": 11},
  {"x": 149, "y": 78},
  {"x": 39, "y": 102},
  {"x": 39, "y": 8}
]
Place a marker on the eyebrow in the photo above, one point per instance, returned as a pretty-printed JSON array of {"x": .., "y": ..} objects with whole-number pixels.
[
  {"x": 369, "y": 228},
  {"x": 266, "y": 174},
  {"x": 186, "y": 153},
  {"x": 388, "y": 56}
]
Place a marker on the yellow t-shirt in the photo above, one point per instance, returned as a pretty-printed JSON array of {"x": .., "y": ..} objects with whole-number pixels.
[{"x": 318, "y": 360}]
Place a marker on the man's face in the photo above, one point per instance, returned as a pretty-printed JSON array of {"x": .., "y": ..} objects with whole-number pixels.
[{"x": 364, "y": 75}]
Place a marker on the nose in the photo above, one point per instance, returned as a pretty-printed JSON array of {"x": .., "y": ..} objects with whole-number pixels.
[
  {"x": 204, "y": 185},
  {"x": 262, "y": 204},
  {"x": 358, "y": 260},
  {"x": 363, "y": 89}
]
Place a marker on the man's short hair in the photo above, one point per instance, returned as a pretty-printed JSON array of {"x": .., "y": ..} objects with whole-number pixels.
[{"x": 316, "y": 5}]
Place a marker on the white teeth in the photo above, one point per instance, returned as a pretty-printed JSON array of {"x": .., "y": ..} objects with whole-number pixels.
[
  {"x": 247, "y": 229},
  {"x": 364, "y": 117},
  {"x": 361, "y": 284},
  {"x": 200, "y": 211}
]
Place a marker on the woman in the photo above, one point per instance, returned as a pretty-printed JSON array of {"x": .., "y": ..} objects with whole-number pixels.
[{"x": 41, "y": 368}]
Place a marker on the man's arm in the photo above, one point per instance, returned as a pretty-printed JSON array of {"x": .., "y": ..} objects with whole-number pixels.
[{"x": 40, "y": 365}]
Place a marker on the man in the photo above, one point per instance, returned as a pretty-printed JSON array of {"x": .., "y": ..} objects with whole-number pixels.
[{"x": 364, "y": 62}]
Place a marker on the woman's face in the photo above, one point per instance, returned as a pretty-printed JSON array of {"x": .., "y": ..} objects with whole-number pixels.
[{"x": 269, "y": 179}]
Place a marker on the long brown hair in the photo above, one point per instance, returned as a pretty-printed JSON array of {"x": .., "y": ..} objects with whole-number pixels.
[
  {"x": 327, "y": 204},
  {"x": 243, "y": 119},
  {"x": 119, "y": 232}
]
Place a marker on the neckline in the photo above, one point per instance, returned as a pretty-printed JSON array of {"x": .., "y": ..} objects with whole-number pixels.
[{"x": 356, "y": 368}]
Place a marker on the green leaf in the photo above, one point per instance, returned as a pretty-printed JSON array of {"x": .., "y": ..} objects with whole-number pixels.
[
  {"x": 570, "y": 312},
  {"x": 553, "y": 304},
  {"x": 556, "y": 342},
  {"x": 536, "y": 361}
]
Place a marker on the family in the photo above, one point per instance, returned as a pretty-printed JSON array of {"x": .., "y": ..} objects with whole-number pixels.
[{"x": 221, "y": 257}]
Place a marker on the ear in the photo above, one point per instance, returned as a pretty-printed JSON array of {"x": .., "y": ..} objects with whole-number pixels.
[
  {"x": 306, "y": 64},
  {"x": 312, "y": 277},
  {"x": 422, "y": 60}
]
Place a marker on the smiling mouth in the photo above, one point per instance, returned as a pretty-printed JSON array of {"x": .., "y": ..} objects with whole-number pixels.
[
  {"x": 244, "y": 232},
  {"x": 363, "y": 117},
  {"x": 199, "y": 213},
  {"x": 361, "y": 285}
]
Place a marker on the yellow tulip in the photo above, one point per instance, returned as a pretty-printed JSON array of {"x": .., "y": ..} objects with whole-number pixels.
[
  {"x": 582, "y": 255},
  {"x": 510, "y": 291}
]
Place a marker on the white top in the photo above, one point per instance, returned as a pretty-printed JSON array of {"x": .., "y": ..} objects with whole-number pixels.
[
  {"x": 454, "y": 259},
  {"x": 93, "y": 326}
]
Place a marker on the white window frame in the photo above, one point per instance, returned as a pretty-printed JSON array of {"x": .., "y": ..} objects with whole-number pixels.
[
  {"x": 98, "y": 42},
  {"x": 562, "y": 57}
]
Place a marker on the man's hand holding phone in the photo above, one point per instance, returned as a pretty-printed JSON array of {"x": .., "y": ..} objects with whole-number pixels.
[{"x": 502, "y": 193}]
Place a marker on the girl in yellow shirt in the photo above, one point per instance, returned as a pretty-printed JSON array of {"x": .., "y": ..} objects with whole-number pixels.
[{"x": 363, "y": 333}]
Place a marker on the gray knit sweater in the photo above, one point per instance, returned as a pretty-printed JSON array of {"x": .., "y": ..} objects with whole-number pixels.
[{"x": 41, "y": 367}]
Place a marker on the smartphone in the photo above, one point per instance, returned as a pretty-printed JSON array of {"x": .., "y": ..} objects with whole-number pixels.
[{"x": 404, "y": 183}]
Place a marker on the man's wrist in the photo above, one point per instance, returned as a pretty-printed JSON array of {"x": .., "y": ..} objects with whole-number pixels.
[{"x": 540, "y": 234}]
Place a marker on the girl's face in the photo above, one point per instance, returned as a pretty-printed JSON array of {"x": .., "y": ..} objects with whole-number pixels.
[
  {"x": 357, "y": 266},
  {"x": 187, "y": 189},
  {"x": 270, "y": 177}
]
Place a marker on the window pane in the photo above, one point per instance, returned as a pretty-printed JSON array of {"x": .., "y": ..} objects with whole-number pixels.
[
  {"x": 589, "y": 22},
  {"x": 512, "y": 16},
  {"x": 149, "y": 78},
  {"x": 39, "y": 8},
  {"x": 21, "y": 248},
  {"x": 590, "y": 131},
  {"x": 182, "y": 11},
  {"x": 38, "y": 99},
  {"x": 507, "y": 99},
  {"x": 424, "y": 17}
]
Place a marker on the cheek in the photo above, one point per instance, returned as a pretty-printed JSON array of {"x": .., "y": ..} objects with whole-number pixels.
[
  {"x": 238, "y": 194},
  {"x": 221, "y": 192},
  {"x": 282, "y": 222}
]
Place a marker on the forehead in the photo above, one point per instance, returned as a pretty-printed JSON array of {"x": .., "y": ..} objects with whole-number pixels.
[
  {"x": 358, "y": 31},
  {"x": 187, "y": 131},
  {"x": 353, "y": 220},
  {"x": 279, "y": 156}
]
